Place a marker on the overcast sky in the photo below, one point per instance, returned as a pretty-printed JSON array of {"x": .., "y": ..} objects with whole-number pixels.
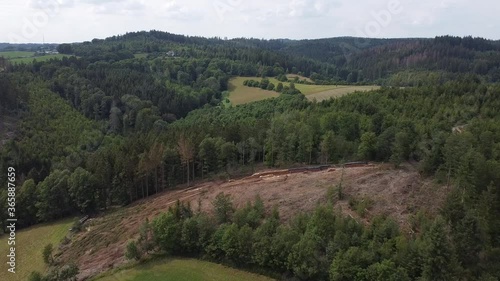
[{"x": 83, "y": 20}]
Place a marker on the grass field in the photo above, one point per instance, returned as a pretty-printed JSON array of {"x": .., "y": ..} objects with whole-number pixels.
[
  {"x": 241, "y": 94},
  {"x": 16, "y": 54},
  {"x": 38, "y": 58},
  {"x": 29, "y": 245},
  {"x": 338, "y": 91},
  {"x": 182, "y": 270}
]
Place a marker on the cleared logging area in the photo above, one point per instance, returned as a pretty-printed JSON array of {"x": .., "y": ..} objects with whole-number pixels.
[{"x": 398, "y": 193}]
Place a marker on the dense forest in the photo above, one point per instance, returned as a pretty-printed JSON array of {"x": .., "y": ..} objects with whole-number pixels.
[
  {"x": 408, "y": 62},
  {"x": 106, "y": 127}
]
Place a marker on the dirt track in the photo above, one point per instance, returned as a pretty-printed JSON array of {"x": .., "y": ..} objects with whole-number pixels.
[{"x": 397, "y": 193}]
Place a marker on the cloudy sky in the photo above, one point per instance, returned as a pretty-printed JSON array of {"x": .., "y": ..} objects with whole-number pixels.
[{"x": 82, "y": 20}]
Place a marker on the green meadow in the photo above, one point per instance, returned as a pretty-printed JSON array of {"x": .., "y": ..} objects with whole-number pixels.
[
  {"x": 29, "y": 245},
  {"x": 181, "y": 270},
  {"x": 241, "y": 94}
]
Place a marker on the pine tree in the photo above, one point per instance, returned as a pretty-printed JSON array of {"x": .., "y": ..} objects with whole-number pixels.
[{"x": 439, "y": 259}]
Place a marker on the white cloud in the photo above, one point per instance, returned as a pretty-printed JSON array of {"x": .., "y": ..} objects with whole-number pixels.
[
  {"x": 48, "y": 4},
  {"x": 311, "y": 8},
  {"x": 79, "y": 20},
  {"x": 116, "y": 7},
  {"x": 176, "y": 11}
]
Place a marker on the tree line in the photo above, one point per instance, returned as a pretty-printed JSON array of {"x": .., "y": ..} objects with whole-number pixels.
[
  {"x": 265, "y": 84},
  {"x": 322, "y": 245}
]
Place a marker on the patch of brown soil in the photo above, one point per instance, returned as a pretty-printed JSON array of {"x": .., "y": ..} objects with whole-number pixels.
[{"x": 397, "y": 193}]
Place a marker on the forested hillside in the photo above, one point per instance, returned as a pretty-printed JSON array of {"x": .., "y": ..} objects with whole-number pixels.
[
  {"x": 136, "y": 114},
  {"x": 340, "y": 60}
]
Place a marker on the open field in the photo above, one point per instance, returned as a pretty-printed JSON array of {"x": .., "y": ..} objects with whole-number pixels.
[
  {"x": 27, "y": 57},
  {"x": 398, "y": 193},
  {"x": 337, "y": 92},
  {"x": 37, "y": 58},
  {"x": 16, "y": 54},
  {"x": 241, "y": 94},
  {"x": 29, "y": 245},
  {"x": 182, "y": 270}
]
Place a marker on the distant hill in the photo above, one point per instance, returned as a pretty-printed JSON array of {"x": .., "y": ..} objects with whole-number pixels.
[
  {"x": 349, "y": 59},
  {"x": 392, "y": 62}
]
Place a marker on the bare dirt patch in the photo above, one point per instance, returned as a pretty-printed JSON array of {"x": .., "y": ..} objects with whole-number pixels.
[{"x": 396, "y": 193}]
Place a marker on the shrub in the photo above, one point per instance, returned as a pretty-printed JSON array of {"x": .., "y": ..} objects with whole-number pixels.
[
  {"x": 47, "y": 254},
  {"x": 77, "y": 227},
  {"x": 223, "y": 208},
  {"x": 132, "y": 252},
  {"x": 35, "y": 276}
]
